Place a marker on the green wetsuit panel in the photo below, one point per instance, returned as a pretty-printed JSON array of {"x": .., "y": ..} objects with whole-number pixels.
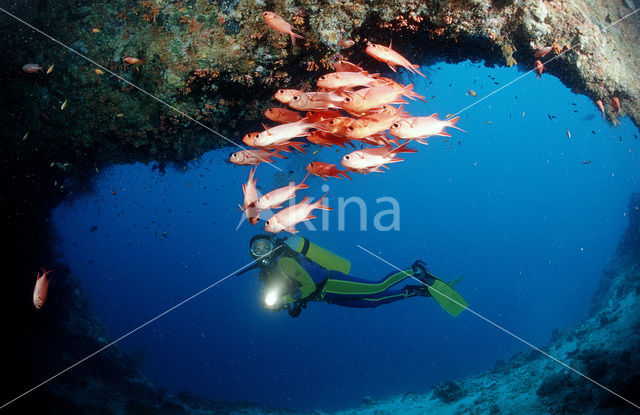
[
  {"x": 364, "y": 288},
  {"x": 292, "y": 269}
]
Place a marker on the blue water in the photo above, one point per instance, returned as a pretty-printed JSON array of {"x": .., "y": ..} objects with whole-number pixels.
[{"x": 513, "y": 208}]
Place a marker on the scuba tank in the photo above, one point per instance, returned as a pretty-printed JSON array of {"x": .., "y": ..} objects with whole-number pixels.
[{"x": 318, "y": 254}]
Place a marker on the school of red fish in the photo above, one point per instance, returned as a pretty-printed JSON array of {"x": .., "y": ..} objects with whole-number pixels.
[{"x": 349, "y": 105}]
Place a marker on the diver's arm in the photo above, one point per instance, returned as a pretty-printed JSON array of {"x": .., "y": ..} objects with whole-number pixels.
[{"x": 293, "y": 270}]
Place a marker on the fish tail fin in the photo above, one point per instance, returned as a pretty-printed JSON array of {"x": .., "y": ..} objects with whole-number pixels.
[
  {"x": 415, "y": 69},
  {"x": 402, "y": 148},
  {"x": 277, "y": 154},
  {"x": 319, "y": 205},
  {"x": 452, "y": 123},
  {"x": 302, "y": 185},
  {"x": 298, "y": 146},
  {"x": 343, "y": 173},
  {"x": 294, "y": 36}
]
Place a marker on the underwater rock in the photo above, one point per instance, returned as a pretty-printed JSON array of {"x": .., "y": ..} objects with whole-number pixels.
[
  {"x": 368, "y": 401},
  {"x": 449, "y": 391}
]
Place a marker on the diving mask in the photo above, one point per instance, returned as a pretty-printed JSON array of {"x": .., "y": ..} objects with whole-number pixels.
[{"x": 261, "y": 246}]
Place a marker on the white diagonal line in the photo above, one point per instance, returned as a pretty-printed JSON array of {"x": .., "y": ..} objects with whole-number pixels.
[
  {"x": 184, "y": 114},
  {"x": 504, "y": 330},
  {"x": 136, "y": 329}
]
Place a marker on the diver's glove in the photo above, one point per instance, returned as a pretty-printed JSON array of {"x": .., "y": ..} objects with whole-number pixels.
[{"x": 296, "y": 294}]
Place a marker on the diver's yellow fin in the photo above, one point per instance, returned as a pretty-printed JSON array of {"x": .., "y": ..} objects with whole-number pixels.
[
  {"x": 454, "y": 282},
  {"x": 447, "y": 297}
]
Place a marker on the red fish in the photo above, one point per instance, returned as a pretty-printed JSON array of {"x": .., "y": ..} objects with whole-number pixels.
[
  {"x": 539, "y": 53},
  {"x": 287, "y": 218},
  {"x": 281, "y": 134},
  {"x": 343, "y": 80},
  {"x": 132, "y": 61},
  {"x": 539, "y": 68},
  {"x": 250, "y": 140},
  {"x": 419, "y": 128},
  {"x": 253, "y": 157},
  {"x": 601, "y": 107},
  {"x": 275, "y": 198},
  {"x": 282, "y": 115},
  {"x": 41, "y": 289},
  {"x": 615, "y": 105},
  {"x": 346, "y": 66},
  {"x": 327, "y": 139},
  {"x": 276, "y": 22},
  {"x": 316, "y": 101},
  {"x": 32, "y": 68},
  {"x": 250, "y": 196},
  {"x": 324, "y": 170},
  {"x": 371, "y": 159},
  {"x": 391, "y": 57}
]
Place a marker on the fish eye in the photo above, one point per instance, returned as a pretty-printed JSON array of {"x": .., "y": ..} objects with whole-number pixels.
[
  {"x": 267, "y": 222},
  {"x": 347, "y": 99},
  {"x": 281, "y": 91},
  {"x": 323, "y": 77},
  {"x": 311, "y": 164},
  {"x": 347, "y": 157},
  {"x": 296, "y": 98},
  {"x": 350, "y": 128},
  {"x": 395, "y": 125},
  {"x": 332, "y": 122}
]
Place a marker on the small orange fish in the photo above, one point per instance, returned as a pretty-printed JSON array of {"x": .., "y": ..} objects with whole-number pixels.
[
  {"x": 370, "y": 98},
  {"x": 346, "y": 66},
  {"x": 250, "y": 193},
  {"x": 282, "y": 115},
  {"x": 391, "y": 57},
  {"x": 347, "y": 79},
  {"x": 275, "y": 198},
  {"x": 41, "y": 289},
  {"x": 615, "y": 105},
  {"x": 253, "y": 157},
  {"x": 316, "y": 101},
  {"x": 347, "y": 43},
  {"x": 539, "y": 53},
  {"x": 601, "y": 107},
  {"x": 98, "y": 72},
  {"x": 325, "y": 139},
  {"x": 132, "y": 61},
  {"x": 371, "y": 159},
  {"x": 95, "y": 30},
  {"x": 281, "y": 134},
  {"x": 32, "y": 68},
  {"x": 276, "y": 22},
  {"x": 420, "y": 128},
  {"x": 539, "y": 68},
  {"x": 473, "y": 93},
  {"x": 324, "y": 170}
]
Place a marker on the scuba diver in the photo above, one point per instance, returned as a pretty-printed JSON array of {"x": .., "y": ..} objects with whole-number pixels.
[{"x": 296, "y": 271}]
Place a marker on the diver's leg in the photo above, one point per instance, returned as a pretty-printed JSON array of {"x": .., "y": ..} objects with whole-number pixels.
[
  {"x": 339, "y": 283},
  {"x": 369, "y": 301}
]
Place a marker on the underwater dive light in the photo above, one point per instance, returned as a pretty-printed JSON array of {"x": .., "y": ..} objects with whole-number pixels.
[{"x": 271, "y": 297}]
